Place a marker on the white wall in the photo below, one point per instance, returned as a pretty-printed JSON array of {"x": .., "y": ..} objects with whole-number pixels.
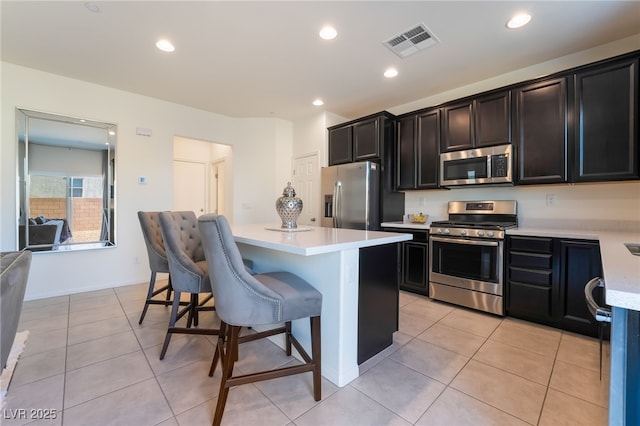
[
  {"x": 605, "y": 206},
  {"x": 257, "y": 183}
]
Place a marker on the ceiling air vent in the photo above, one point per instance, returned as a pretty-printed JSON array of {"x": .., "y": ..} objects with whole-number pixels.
[{"x": 410, "y": 41}]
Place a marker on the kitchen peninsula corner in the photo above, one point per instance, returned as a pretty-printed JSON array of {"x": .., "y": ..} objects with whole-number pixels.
[{"x": 356, "y": 272}]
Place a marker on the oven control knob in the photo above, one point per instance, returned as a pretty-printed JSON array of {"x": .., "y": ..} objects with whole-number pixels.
[
  {"x": 490, "y": 233},
  {"x": 463, "y": 232},
  {"x": 446, "y": 231},
  {"x": 480, "y": 233}
]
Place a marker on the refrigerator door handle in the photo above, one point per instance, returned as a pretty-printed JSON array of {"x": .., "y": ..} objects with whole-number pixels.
[{"x": 337, "y": 191}]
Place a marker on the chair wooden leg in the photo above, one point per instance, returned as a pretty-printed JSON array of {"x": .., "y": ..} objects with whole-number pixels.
[
  {"x": 228, "y": 360},
  {"x": 287, "y": 336},
  {"x": 172, "y": 322},
  {"x": 219, "y": 349},
  {"x": 152, "y": 283},
  {"x": 316, "y": 355},
  {"x": 194, "y": 309},
  {"x": 169, "y": 290}
]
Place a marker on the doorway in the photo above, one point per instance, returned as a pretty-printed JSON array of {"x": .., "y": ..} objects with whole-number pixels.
[
  {"x": 202, "y": 176},
  {"x": 306, "y": 181}
]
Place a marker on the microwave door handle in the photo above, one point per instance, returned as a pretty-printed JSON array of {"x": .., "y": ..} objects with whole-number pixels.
[
  {"x": 468, "y": 242},
  {"x": 336, "y": 204}
]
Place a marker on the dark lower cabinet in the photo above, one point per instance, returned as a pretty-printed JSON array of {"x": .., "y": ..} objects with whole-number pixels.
[
  {"x": 415, "y": 267},
  {"x": 579, "y": 263},
  {"x": 546, "y": 279},
  {"x": 414, "y": 261}
]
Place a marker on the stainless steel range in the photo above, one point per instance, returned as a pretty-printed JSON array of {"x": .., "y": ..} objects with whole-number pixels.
[{"x": 467, "y": 254}]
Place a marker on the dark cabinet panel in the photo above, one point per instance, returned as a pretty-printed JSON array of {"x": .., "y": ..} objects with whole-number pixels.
[
  {"x": 493, "y": 119},
  {"x": 483, "y": 121},
  {"x": 367, "y": 140},
  {"x": 414, "y": 258},
  {"x": 606, "y": 117},
  {"x": 340, "y": 145},
  {"x": 406, "y": 165},
  {"x": 418, "y": 139},
  {"x": 579, "y": 263},
  {"x": 377, "y": 299},
  {"x": 415, "y": 274},
  {"x": 428, "y": 140},
  {"x": 457, "y": 126},
  {"x": 546, "y": 279},
  {"x": 541, "y": 132}
]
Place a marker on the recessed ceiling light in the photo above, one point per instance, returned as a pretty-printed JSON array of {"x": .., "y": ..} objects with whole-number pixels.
[
  {"x": 328, "y": 33},
  {"x": 391, "y": 72},
  {"x": 318, "y": 102},
  {"x": 165, "y": 45},
  {"x": 92, "y": 7},
  {"x": 518, "y": 20}
]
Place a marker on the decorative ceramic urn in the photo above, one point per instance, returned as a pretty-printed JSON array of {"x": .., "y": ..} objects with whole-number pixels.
[{"x": 289, "y": 207}]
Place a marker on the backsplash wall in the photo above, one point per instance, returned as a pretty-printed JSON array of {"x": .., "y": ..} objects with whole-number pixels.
[{"x": 611, "y": 206}]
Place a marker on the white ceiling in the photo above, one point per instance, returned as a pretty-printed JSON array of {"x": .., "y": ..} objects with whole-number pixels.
[{"x": 265, "y": 59}]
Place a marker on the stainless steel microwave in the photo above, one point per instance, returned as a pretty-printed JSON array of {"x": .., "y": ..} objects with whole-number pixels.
[{"x": 490, "y": 165}]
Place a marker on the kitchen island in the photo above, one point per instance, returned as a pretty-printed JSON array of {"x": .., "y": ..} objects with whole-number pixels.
[{"x": 356, "y": 272}]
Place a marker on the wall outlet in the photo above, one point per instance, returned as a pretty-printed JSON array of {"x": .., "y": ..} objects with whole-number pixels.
[
  {"x": 551, "y": 199},
  {"x": 136, "y": 260}
]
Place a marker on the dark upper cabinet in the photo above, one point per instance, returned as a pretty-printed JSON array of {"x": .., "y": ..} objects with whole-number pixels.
[
  {"x": 482, "y": 121},
  {"x": 493, "y": 119},
  {"x": 367, "y": 140},
  {"x": 406, "y": 156},
  {"x": 457, "y": 126},
  {"x": 606, "y": 117},
  {"x": 428, "y": 145},
  {"x": 340, "y": 145},
  {"x": 541, "y": 132},
  {"x": 418, "y": 144},
  {"x": 360, "y": 140}
]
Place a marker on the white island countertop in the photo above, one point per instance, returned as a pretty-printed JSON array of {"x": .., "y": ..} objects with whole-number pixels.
[{"x": 312, "y": 240}]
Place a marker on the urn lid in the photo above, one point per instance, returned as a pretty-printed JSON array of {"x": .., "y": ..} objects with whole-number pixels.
[{"x": 289, "y": 191}]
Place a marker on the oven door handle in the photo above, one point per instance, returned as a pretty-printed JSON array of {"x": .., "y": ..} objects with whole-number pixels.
[{"x": 463, "y": 241}]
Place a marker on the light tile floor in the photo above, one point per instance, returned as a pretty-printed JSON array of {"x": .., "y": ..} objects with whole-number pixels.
[{"x": 88, "y": 362}]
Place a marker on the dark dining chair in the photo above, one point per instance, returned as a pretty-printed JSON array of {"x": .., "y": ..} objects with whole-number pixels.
[{"x": 245, "y": 300}]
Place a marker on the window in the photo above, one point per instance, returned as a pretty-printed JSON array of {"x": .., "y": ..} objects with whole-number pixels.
[{"x": 75, "y": 187}]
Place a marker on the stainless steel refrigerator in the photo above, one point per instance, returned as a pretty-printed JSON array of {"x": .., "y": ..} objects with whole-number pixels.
[{"x": 354, "y": 196}]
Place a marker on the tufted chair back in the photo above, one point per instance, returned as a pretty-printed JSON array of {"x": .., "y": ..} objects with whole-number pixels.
[
  {"x": 248, "y": 300},
  {"x": 185, "y": 252},
  {"x": 150, "y": 224}
]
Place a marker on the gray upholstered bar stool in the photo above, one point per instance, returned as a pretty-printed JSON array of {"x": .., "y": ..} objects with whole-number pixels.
[
  {"x": 150, "y": 225},
  {"x": 245, "y": 300},
  {"x": 189, "y": 274}
]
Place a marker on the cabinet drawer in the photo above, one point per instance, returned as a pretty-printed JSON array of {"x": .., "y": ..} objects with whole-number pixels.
[
  {"x": 537, "y": 245},
  {"x": 530, "y": 260},
  {"x": 532, "y": 300},
  {"x": 530, "y": 276}
]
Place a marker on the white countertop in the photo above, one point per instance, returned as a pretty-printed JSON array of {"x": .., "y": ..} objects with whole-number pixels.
[
  {"x": 407, "y": 225},
  {"x": 312, "y": 240}
]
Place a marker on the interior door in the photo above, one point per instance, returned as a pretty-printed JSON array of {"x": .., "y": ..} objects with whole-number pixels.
[
  {"x": 306, "y": 181},
  {"x": 189, "y": 186}
]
